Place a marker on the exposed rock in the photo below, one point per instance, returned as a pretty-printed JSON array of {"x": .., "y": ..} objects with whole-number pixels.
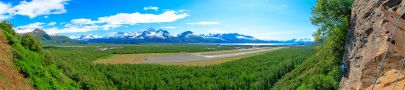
[{"x": 372, "y": 23}]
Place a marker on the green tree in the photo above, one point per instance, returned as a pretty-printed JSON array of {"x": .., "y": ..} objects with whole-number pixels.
[
  {"x": 32, "y": 43},
  {"x": 329, "y": 15},
  {"x": 321, "y": 71}
]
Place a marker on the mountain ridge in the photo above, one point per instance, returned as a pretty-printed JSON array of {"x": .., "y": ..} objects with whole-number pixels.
[
  {"x": 152, "y": 35},
  {"x": 51, "y": 39}
]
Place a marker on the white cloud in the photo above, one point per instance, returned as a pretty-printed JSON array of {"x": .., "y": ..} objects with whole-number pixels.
[
  {"x": 51, "y": 23},
  {"x": 82, "y": 21},
  {"x": 68, "y": 30},
  {"x": 204, "y": 23},
  {"x": 4, "y": 8},
  {"x": 115, "y": 21},
  {"x": 136, "y": 18},
  {"x": 33, "y": 8},
  {"x": 151, "y": 8},
  {"x": 36, "y": 8},
  {"x": 169, "y": 27},
  {"x": 29, "y": 27}
]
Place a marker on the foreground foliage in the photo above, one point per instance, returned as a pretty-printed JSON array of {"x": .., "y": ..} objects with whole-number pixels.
[
  {"x": 257, "y": 72},
  {"x": 30, "y": 58},
  {"x": 322, "y": 70}
]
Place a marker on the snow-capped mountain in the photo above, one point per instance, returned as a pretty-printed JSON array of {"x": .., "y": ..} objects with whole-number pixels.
[
  {"x": 144, "y": 34},
  {"x": 88, "y": 37},
  {"x": 190, "y": 37},
  {"x": 152, "y": 35}
]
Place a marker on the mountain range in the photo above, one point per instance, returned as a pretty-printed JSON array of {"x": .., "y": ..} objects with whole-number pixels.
[{"x": 152, "y": 35}]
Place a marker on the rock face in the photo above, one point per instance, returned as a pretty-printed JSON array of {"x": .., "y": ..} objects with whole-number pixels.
[{"x": 372, "y": 24}]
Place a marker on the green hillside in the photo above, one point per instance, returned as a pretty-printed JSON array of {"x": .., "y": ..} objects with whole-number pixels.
[
  {"x": 322, "y": 70},
  {"x": 32, "y": 60}
]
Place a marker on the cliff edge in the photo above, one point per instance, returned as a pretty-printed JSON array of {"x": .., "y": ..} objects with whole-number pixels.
[{"x": 368, "y": 40}]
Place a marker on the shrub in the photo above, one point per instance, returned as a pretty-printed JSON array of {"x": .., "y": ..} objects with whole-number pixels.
[{"x": 31, "y": 43}]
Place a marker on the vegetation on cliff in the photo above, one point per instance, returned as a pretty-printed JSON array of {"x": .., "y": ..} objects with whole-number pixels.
[{"x": 322, "y": 70}]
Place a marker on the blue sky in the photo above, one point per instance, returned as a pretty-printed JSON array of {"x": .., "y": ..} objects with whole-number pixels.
[{"x": 263, "y": 19}]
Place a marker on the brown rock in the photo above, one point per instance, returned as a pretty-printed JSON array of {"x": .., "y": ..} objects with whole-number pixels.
[{"x": 372, "y": 23}]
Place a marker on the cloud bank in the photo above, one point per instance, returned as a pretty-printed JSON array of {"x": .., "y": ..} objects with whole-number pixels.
[
  {"x": 107, "y": 22},
  {"x": 33, "y": 8}
]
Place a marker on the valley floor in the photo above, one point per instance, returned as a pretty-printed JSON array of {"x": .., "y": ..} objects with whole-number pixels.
[{"x": 199, "y": 58}]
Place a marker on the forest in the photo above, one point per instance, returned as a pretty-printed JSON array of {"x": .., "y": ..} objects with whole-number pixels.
[{"x": 256, "y": 72}]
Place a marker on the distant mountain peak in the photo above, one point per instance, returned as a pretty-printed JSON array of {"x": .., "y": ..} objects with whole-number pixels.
[
  {"x": 38, "y": 30},
  {"x": 160, "y": 35},
  {"x": 143, "y": 34},
  {"x": 152, "y": 35},
  {"x": 51, "y": 39},
  {"x": 88, "y": 37},
  {"x": 39, "y": 33}
]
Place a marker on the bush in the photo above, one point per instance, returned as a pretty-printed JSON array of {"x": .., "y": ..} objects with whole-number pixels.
[
  {"x": 31, "y": 43},
  {"x": 322, "y": 82}
]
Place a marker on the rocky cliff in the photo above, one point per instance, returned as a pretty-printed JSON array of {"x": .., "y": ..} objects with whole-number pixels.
[{"x": 370, "y": 37}]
